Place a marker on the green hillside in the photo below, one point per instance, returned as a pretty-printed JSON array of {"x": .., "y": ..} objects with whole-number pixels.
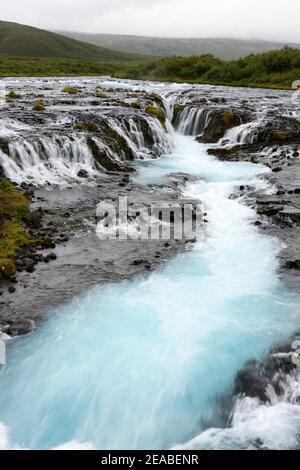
[
  {"x": 17, "y": 40},
  {"x": 273, "y": 69},
  {"x": 226, "y": 49}
]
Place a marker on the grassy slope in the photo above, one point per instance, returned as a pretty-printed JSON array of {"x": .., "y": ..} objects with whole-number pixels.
[
  {"x": 24, "y": 41},
  {"x": 44, "y": 67},
  {"x": 13, "y": 234},
  {"x": 226, "y": 49}
]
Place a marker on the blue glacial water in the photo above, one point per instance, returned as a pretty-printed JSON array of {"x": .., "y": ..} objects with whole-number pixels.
[{"x": 139, "y": 364}]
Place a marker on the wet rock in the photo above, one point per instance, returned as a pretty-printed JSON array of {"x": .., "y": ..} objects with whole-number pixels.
[
  {"x": 256, "y": 377},
  {"x": 4, "y": 146},
  {"x": 82, "y": 174},
  {"x": 220, "y": 121},
  {"x": 33, "y": 219},
  {"x": 19, "y": 327},
  {"x": 251, "y": 382},
  {"x": 139, "y": 262},
  {"x": 281, "y": 130},
  {"x": 52, "y": 256},
  {"x": 293, "y": 264},
  {"x": 104, "y": 160},
  {"x": 48, "y": 243}
]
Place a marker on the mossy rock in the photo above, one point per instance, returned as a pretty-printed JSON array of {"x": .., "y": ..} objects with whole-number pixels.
[
  {"x": 13, "y": 95},
  {"x": 135, "y": 105},
  {"x": 100, "y": 94},
  {"x": 71, "y": 90},
  {"x": 280, "y": 131},
  {"x": 220, "y": 121},
  {"x": 157, "y": 112},
  {"x": 116, "y": 142},
  {"x": 103, "y": 160},
  {"x": 157, "y": 100},
  {"x": 86, "y": 126},
  {"x": 39, "y": 106},
  {"x": 282, "y": 136},
  {"x": 177, "y": 110}
]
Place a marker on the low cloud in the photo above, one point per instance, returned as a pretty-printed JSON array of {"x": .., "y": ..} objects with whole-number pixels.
[{"x": 175, "y": 18}]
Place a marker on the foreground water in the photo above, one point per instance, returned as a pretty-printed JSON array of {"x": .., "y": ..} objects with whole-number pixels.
[{"x": 139, "y": 365}]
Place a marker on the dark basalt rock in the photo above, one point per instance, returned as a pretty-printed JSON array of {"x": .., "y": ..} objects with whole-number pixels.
[
  {"x": 220, "y": 121},
  {"x": 255, "y": 377},
  {"x": 177, "y": 110},
  {"x": 250, "y": 381},
  {"x": 295, "y": 264},
  {"x": 103, "y": 160},
  {"x": 82, "y": 174},
  {"x": 282, "y": 130},
  {"x": 4, "y": 146}
]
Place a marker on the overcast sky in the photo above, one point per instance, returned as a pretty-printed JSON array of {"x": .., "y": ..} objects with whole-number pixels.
[{"x": 265, "y": 19}]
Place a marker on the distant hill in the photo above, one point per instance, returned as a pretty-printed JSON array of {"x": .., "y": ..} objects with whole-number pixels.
[
  {"x": 17, "y": 40},
  {"x": 226, "y": 49}
]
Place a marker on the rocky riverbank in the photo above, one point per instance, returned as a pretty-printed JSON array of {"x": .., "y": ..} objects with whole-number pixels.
[{"x": 68, "y": 258}]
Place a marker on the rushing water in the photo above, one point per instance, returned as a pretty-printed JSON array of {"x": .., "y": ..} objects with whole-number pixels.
[{"x": 140, "y": 364}]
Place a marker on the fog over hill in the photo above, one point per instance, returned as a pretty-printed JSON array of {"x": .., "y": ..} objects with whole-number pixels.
[
  {"x": 17, "y": 40},
  {"x": 227, "y": 49}
]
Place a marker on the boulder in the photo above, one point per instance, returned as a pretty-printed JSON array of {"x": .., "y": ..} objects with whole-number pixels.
[
  {"x": 104, "y": 160},
  {"x": 82, "y": 174},
  {"x": 220, "y": 121},
  {"x": 279, "y": 131}
]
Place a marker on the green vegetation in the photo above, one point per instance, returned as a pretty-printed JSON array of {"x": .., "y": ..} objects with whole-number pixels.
[
  {"x": 157, "y": 112},
  {"x": 72, "y": 90},
  {"x": 86, "y": 126},
  {"x": 274, "y": 69},
  {"x": 42, "y": 67},
  {"x": 18, "y": 40},
  {"x": 223, "y": 48},
  {"x": 39, "y": 106},
  {"x": 13, "y": 235},
  {"x": 100, "y": 94},
  {"x": 13, "y": 95}
]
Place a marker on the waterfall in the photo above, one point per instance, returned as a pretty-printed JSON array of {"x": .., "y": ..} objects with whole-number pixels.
[
  {"x": 47, "y": 160},
  {"x": 243, "y": 134},
  {"x": 57, "y": 159},
  {"x": 145, "y": 136},
  {"x": 192, "y": 121}
]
